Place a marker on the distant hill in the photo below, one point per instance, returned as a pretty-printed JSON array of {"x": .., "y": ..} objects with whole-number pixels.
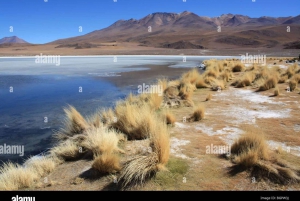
[{"x": 12, "y": 39}]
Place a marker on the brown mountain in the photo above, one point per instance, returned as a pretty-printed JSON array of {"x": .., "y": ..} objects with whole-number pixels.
[
  {"x": 12, "y": 40},
  {"x": 187, "y": 30}
]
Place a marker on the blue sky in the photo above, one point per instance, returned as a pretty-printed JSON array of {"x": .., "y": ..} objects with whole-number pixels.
[{"x": 37, "y": 21}]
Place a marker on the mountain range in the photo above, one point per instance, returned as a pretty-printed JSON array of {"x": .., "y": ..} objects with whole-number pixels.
[{"x": 188, "y": 30}]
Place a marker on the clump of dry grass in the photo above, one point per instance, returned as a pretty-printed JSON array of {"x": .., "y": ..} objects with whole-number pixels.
[
  {"x": 209, "y": 97},
  {"x": 138, "y": 169},
  {"x": 293, "y": 84},
  {"x": 296, "y": 78},
  {"x": 225, "y": 75},
  {"x": 251, "y": 152},
  {"x": 190, "y": 76},
  {"x": 282, "y": 79},
  {"x": 276, "y": 92},
  {"x": 269, "y": 83},
  {"x": 42, "y": 165},
  {"x": 106, "y": 163},
  {"x": 108, "y": 116},
  {"x": 200, "y": 83},
  {"x": 131, "y": 120},
  {"x": 155, "y": 100},
  {"x": 74, "y": 123},
  {"x": 163, "y": 83},
  {"x": 67, "y": 150},
  {"x": 172, "y": 91},
  {"x": 186, "y": 91},
  {"x": 101, "y": 140},
  {"x": 141, "y": 167},
  {"x": 238, "y": 67},
  {"x": 198, "y": 113},
  {"x": 169, "y": 117},
  {"x": 250, "y": 148},
  {"x": 245, "y": 80},
  {"x": 217, "y": 84},
  {"x": 14, "y": 177}
]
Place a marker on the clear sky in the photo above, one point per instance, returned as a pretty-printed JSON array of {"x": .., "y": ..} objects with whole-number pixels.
[{"x": 42, "y": 21}]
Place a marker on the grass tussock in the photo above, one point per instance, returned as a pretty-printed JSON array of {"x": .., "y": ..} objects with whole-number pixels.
[
  {"x": 200, "y": 83},
  {"x": 141, "y": 167},
  {"x": 217, "y": 85},
  {"x": 42, "y": 165},
  {"x": 106, "y": 163},
  {"x": 191, "y": 76},
  {"x": 209, "y": 97},
  {"x": 198, "y": 114},
  {"x": 169, "y": 117},
  {"x": 14, "y": 177},
  {"x": 250, "y": 148},
  {"x": 238, "y": 67},
  {"x": 250, "y": 152},
  {"x": 269, "y": 84},
  {"x": 74, "y": 122},
  {"x": 245, "y": 80},
  {"x": 293, "y": 84},
  {"x": 276, "y": 91},
  {"x": 133, "y": 120},
  {"x": 67, "y": 150},
  {"x": 101, "y": 140},
  {"x": 171, "y": 91}
]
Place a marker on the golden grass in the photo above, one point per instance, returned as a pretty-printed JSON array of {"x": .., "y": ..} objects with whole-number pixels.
[
  {"x": 269, "y": 83},
  {"x": 217, "y": 84},
  {"x": 133, "y": 120},
  {"x": 74, "y": 122},
  {"x": 200, "y": 83},
  {"x": 67, "y": 150},
  {"x": 171, "y": 91},
  {"x": 169, "y": 117},
  {"x": 101, "y": 140},
  {"x": 296, "y": 78},
  {"x": 283, "y": 79},
  {"x": 276, "y": 91},
  {"x": 238, "y": 67},
  {"x": 186, "y": 90},
  {"x": 209, "y": 97},
  {"x": 155, "y": 100},
  {"x": 250, "y": 148},
  {"x": 108, "y": 116},
  {"x": 198, "y": 114},
  {"x": 42, "y": 165},
  {"x": 190, "y": 76},
  {"x": 245, "y": 80},
  {"x": 106, "y": 163},
  {"x": 14, "y": 177},
  {"x": 163, "y": 83},
  {"x": 139, "y": 168},
  {"x": 160, "y": 143},
  {"x": 293, "y": 84}
]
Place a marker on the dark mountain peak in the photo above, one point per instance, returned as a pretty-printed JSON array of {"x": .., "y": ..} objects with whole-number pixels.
[{"x": 12, "y": 39}]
